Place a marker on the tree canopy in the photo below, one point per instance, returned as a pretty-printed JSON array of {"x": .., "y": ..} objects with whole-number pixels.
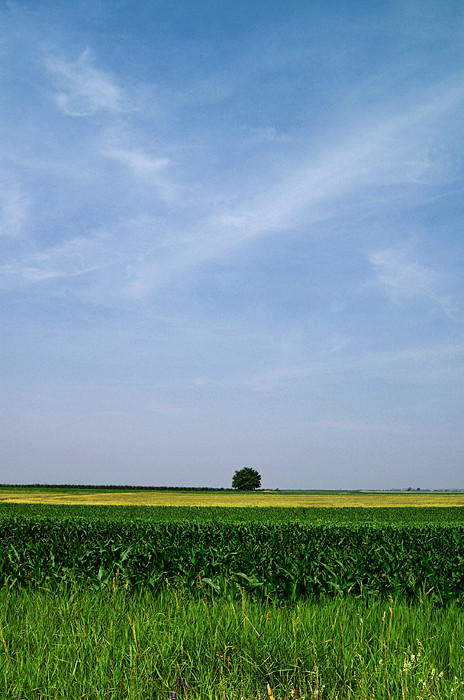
[{"x": 246, "y": 479}]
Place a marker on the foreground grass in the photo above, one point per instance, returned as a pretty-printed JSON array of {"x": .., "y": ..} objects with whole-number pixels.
[{"x": 114, "y": 645}]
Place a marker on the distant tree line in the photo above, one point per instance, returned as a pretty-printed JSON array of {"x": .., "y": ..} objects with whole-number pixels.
[{"x": 114, "y": 487}]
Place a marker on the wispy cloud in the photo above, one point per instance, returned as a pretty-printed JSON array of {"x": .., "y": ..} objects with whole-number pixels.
[
  {"x": 74, "y": 258},
  {"x": 330, "y": 186},
  {"x": 144, "y": 167},
  {"x": 375, "y": 152},
  {"x": 362, "y": 426},
  {"x": 82, "y": 89},
  {"x": 275, "y": 375},
  {"x": 400, "y": 275},
  {"x": 14, "y": 207},
  {"x": 140, "y": 163}
]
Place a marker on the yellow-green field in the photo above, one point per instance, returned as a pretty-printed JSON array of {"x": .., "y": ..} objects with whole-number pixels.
[{"x": 226, "y": 500}]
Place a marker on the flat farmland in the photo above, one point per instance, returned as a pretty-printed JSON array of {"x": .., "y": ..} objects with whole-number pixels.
[
  {"x": 123, "y": 593},
  {"x": 261, "y": 499}
]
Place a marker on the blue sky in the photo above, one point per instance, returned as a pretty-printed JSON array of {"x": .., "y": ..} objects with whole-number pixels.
[{"x": 232, "y": 235}]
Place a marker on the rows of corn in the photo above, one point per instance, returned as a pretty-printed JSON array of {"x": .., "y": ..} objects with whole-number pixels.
[
  {"x": 383, "y": 515},
  {"x": 275, "y": 560}
]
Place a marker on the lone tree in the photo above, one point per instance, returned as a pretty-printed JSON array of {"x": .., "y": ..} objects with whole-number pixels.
[{"x": 246, "y": 479}]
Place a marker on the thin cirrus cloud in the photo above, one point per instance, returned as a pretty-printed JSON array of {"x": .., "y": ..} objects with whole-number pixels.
[
  {"x": 141, "y": 164},
  {"x": 404, "y": 279},
  {"x": 145, "y": 168},
  {"x": 14, "y": 207},
  {"x": 331, "y": 186},
  {"x": 376, "y": 154},
  {"x": 83, "y": 90},
  {"x": 73, "y": 258}
]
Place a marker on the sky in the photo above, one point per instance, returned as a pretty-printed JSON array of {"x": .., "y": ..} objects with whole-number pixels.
[{"x": 231, "y": 234}]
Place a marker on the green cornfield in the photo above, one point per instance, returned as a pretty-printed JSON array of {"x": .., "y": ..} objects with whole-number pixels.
[
  {"x": 175, "y": 602},
  {"x": 278, "y": 561}
]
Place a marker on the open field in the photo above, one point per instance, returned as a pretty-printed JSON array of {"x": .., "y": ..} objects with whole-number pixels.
[
  {"x": 425, "y": 515},
  {"x": 339, "y": 596},
  {"x": 269, "y": 558},
  {"x": 234, "y": 500}
]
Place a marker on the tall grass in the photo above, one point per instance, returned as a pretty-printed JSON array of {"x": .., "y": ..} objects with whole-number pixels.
[{"x": 118, "y": 646}]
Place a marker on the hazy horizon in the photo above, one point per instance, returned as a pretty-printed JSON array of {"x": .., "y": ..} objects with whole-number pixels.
[
  {"x": 166, "y": 487},
  {"x": 232, "y": 235}
]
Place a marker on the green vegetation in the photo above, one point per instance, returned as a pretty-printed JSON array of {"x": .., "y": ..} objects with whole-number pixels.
[
  {"x": 246, "y": 479},
  {"x": 110, "y": 645},
  {"x": 278, "y": 561},
  {"x": 395, "y": 516},
  {"x": 209, "y": 602},
  {"x": 82, "y": 488}
]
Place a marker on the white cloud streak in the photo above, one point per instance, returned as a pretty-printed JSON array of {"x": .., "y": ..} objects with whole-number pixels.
[
  {"x": 74, "y": 258},
  {"x": 380, "y": 155},
  {"x": 145, "y": 168},
  {"x": 82, "y": 89},
  {"x": 404, "y": 279},
  {"x": 14, "y": 207},
  {"x": 141, "y": 164},
  {"x": 317, "y": 188}
]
